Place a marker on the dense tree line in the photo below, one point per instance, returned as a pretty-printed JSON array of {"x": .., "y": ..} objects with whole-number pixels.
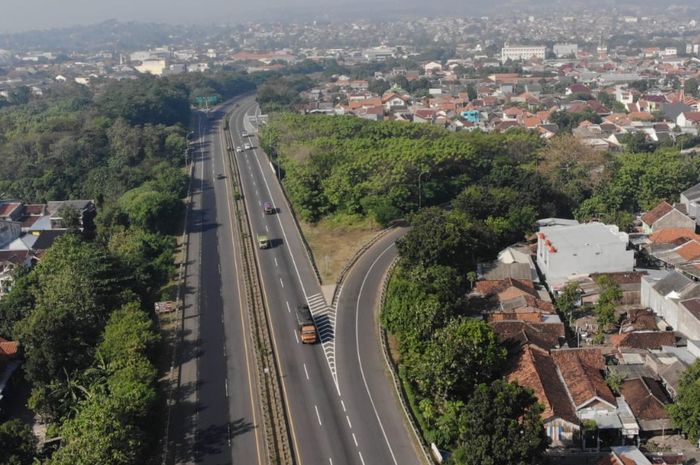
[{"x": 83, "y": 314}]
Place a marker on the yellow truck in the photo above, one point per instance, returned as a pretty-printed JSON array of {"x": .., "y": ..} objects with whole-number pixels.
[{"x": 307, "y": 328}]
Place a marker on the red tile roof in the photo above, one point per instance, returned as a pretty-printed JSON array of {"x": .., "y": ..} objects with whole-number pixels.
[
  {"x": 7, "y": 208},
  {"x": 644, "y": 340},
  {"x": 533, "y": 368},
  {"x": 543, "y": 335},
  {"x": 646, "y": 398},
  {"x": 690, "y": 250},
  {"x": 581, "y": 370},
  {"x": 656, "y": 213},
  {"x": 8, "y": 349},
  {"x": 671, "y": 235}
]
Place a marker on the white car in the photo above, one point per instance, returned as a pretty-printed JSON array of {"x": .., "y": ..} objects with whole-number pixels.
[
  {"x": 247, "y": 147},
  {"x": 239, "y": 149},
  {"x": 245, "y": 134}
]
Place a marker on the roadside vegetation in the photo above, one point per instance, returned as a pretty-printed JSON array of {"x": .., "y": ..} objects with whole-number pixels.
[{"x": 84, "y": 315}]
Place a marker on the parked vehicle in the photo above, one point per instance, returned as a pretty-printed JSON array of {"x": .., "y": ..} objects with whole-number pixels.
[
  {"x": 267, "y": 208},
  {"x": 307, "y": 328},
  {"x": 263, "y": 241}
]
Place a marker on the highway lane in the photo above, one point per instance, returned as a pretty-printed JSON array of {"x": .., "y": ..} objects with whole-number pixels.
[
  {"x": 332, "y": 422},
  {"x": 216, "y": 418},
  {"x": 319, "y": 427},
  {"x": 363, "y": 374}
]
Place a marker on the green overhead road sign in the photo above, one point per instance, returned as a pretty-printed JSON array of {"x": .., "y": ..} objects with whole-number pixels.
[{"x": 207, "y": 100}]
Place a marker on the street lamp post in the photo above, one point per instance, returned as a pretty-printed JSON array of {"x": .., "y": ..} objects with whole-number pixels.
[{"x": 420, "y": 197}]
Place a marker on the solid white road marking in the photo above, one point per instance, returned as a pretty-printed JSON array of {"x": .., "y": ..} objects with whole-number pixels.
[
  {"x": 267, "y": 229},
  {"x": 318, "y": 416},
  {"x": 348, "y": 419},
  {"x": 343, "y": 404},
  {"x": 330, "y": 461},
  {"x": 226, "y": 386},
  {"x": 361, "y": 459},
  {"x": 307, "y": 372},
  {"x": 296, "y": 337},
  {"x": 354, "y": 439},
  {"x": 278, "y": 265}
]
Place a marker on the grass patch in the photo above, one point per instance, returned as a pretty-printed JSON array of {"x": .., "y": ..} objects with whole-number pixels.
[{"x": 334, "y": 241}]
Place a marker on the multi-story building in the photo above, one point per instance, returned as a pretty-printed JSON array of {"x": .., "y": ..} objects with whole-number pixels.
[
  {"x": 568, "y": 252},
  {"x": 565, "y": 50},
  {"x": 522, "y": 52}
]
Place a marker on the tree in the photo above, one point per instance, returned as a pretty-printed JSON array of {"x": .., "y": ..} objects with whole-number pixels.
[
  {"x": 438, "y": 238},
  {"x": 152, "y": 210},
  {"x": 78, "y": 284},
  {"x": 685, "y": 413},
  {"x": 691, "y": 87},
  {"x": 18, "y": 443},
  {"x": 609, "y": 297},
  {"x": 464, "y": 353},
  {"x": 500, "y": 425},
  {"x": 567, "y": 300}
]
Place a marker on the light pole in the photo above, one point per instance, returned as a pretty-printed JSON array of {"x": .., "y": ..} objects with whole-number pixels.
[{"x": 420, "y": 198}]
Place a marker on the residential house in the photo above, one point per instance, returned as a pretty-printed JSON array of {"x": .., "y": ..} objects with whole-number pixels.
[
  {"x": 535, "y": 369},
  {"x": 582, "y": 373},
  {"x": 628, "y": 282},
  {"x": 84, "y": 208},
  {"x": 690, "y": 198},
  {"x": 624, "y": 455},
  {"x": 665, "y": 216},
  {"x": 568, "y": 252},
  {"x": 10, "y": 261},
  {"x": 647, "y": 340},
  {"x": 688, "y": 119},
  {"x": 512, "y": 262},
  {"x": 689, "y": 318},
  {"x": 648, "y": 401},
  {"x": 664, "y": 297},
  {"x": 544, "y": 335}
]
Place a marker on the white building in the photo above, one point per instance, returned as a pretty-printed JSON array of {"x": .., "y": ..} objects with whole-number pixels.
[
  {"x": 522, "y": 52},
  {"x": 155, "y": 67},
  {"x": 566, "y": 252},
  {"x": 565, "y": 50}
]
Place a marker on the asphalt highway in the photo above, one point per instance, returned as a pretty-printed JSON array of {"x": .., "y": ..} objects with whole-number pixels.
[
  {"x": 340, "y": 398},
  {"x": 216, "y": 418}
]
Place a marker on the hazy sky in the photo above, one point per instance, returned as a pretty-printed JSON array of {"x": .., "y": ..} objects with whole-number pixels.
[{"x": 19, "y": 15}]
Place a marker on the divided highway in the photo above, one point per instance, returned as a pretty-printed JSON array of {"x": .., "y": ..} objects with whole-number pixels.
[
  {"x": 339, "y": 396},
  {"x": 340, "y": 399}
]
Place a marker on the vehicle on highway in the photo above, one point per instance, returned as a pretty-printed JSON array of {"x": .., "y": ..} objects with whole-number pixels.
[
  {"x": 239, "y": 149},
  {"x": 245, "y": 134},
  {"x": 307, "y": 328},
  {"x": 220, "y": 176},
  {"x": 263, "y": 241},
  {"x": 228, "y": 147},
  {"x": 267, "y": 208},
  {"x": 247, "y": 147}
]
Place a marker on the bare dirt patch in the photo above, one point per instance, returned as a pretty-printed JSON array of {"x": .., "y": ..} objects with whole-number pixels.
[{"x": 334, "y": 241}]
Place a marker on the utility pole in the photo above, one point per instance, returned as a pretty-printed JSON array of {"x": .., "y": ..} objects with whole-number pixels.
[{"x": 420, "y": 198}]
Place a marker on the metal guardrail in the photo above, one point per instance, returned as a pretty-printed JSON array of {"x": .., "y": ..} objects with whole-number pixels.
[
  {"x": 275, "y": 420},
  {"x": 358, "y": 253},
  {"x": 392, "y": 369}
]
